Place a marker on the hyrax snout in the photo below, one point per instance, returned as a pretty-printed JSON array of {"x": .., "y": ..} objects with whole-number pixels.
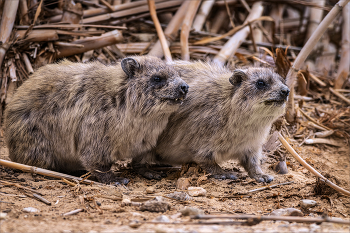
[
  {"x": 71, "y": 116},
  {"x": 226, "y": 115}
]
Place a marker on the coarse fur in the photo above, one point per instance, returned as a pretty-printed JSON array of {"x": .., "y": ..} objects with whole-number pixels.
[
  {"x": 226, "y": 115},
  {"x": 71, "y": 116}
]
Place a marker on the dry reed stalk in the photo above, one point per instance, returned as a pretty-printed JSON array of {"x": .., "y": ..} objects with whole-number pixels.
[
  {"x": 7, "y": 21},
  {"x": 160, "y": 32},
  {"x": 171, "y": 30},
  {"x": 309, "y": 168},
  {"x": 220, "y": 18},
  {"x": 202, "y": 14},
  {"x": 91, "y": 43},
  {"x": 37, "y": 35},
  {"x": 304, "y": 53},
  {"x": 186, "y": 26},
  {"x": 27, "y": 63},
  {"x": 232, "y": 45},
  {"x": 316, "y": 15},
  {"x": 23, "y": 12},
  {"x": 131, "y": 11},
  {"x": 104, "y": 2},
  {"x": 344, "y": 64},
  {"x": 41, "y": 171},
  {"x": 340, "y": 95}
]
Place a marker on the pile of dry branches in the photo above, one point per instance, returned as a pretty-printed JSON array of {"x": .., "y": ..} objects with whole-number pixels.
[{"x": 237, "y": 32}]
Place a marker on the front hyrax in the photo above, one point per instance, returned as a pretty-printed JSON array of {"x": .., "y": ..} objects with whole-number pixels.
[
  {"x": 72, "y": 116},
  {"x": 226, "y": 115}
]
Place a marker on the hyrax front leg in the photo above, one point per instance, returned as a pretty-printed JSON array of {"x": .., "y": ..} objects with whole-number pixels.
[
  {"x": 251, "y": 163},
  {"x": 208, "y": 164}
]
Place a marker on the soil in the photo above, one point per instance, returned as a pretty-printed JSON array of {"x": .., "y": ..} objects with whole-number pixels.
[{"x": 102, "y": 214}]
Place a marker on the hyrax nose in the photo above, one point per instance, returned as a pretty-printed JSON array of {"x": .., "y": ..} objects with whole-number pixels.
[
  {"x": 284, "y": 92},
  {"x": 184, "y": 88}
]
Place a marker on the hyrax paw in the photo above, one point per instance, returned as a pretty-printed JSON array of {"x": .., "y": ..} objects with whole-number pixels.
[
  {"x": 263, "y": 178},
  {"x": 149, "y": 174},
  {"x": 229, "y": 176},
  {"x": 121, "y": 180}
]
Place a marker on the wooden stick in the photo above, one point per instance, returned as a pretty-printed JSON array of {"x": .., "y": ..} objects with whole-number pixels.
[
  {"x": 316, "y": 15},
  {"x": 41, "y": 171},
  {"x": 232, "y": 45},
  {"x": 317, "y": 80},
  {"x": 304, "y": 53},
  {"x": 7, "y": 21},
  {"x": 37, "y": 35},
  {"x": 202, "y": 14},
  {"x": 73, "y": 212},
  {"x": 91, "y": 43},
  {"x": 274, "y": 218},
  {"x": 163, "y": 42},
  {"x": 23, "y": 11},
  {"x": 171, "y": 30},
  {"x": 19, "y": 186},
  {"x": 309, "y": 168},
  {"x": 186, "y": 26},
  {"x": 313, "y": 120},
  {"x": 340, "y": 95},
  {"x": 41, "y": 199}
]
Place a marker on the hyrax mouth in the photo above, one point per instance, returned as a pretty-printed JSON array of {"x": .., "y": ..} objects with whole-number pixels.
[
  {"x": 276, "y": 102},
  {"x": 173, "y": 100}
]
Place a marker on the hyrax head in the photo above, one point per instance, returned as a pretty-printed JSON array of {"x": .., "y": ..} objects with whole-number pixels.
[
  {"x": 156, "y": 81},
  {"x": 261, "y": 89}
]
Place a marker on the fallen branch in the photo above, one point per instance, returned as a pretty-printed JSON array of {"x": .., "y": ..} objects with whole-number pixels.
[
  {"x": 304, "y": 53},
  {"x": 340, "y": 95},
  {"x": 313, "y": 120},
  {"x": 41, "y": 171},
  {"x": 40, "y": 198},
  {"x": 309, "y": 168},
  {"x": 19, "y": 186}
]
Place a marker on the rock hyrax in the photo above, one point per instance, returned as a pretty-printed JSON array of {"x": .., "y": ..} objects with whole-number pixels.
[
  {"x": 226, "y": 115},
  {"x": 72, "y": 116}
]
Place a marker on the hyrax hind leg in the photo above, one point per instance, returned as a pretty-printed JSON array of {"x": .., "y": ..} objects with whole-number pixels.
[
  {"x": 208, "y": 164},
  {"x": 251, "y": 163}
]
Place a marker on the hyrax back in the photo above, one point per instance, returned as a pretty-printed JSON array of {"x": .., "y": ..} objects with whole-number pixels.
[
  {"x": 71, "y": 116},
  {"x": 226, "y": 115}
]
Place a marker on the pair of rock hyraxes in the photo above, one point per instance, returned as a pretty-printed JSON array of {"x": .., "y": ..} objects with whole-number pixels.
[{"x": 73, "y": 116}]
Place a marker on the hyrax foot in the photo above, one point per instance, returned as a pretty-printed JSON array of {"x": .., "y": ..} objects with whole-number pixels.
[
  {"x": 225, "y": 175},
  {"x": 150, "y": 174},
  {"x": 110, "y": 178},
  {"x": 262, "y": 178},
  {"x": 217, "y": 172}
]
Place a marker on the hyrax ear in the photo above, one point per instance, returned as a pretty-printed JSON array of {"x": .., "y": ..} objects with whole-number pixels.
[
  {"x": 130, "y": 66},
  {"x": 238, "y": 77}
]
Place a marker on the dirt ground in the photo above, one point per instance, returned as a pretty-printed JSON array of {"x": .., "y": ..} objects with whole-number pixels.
[{"x": 102, "y": 214}]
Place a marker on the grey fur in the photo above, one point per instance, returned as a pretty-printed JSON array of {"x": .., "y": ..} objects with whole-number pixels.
[
  {"x": 226, "y": 115},
  {"x": 70, "y": 116}
]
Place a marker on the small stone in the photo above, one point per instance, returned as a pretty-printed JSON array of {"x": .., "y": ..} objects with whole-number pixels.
[
  {"x": 161, "y": 218},
  {"x": 188, "y": 211},
  {"x": 183, "y": 183},
  {"x": 3, "y": 215},
  {"x": 135, "y": 224},
  {"x": 196, "y": 191},
  {"x": 126, "y": 202},
  {"x": 180, "y": 196},
  {"x": 281, "y": 167},
  {"x": 306, "y": 203},
  {"x": 30, "y": 210},
  {"x": 150, "y": 190},
  {"x": 287, "y": 212},
  {"x": 155, "y": 206}
]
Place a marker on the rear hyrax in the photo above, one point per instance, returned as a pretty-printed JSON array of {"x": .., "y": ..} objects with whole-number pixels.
[
  {"x": 72, "y": 116},
  {"x": 226, "y": 115}
]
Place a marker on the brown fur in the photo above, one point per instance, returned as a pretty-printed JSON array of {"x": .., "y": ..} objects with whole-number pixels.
[
  {"x": 225, "y": 116},
  {"x": 70, "y": 116}
]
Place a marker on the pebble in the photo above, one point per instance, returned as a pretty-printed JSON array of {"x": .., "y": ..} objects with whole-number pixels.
[
  {"x": 196, "y": 191},
  {"x": 281, "y": 167},
  {"x": 126, "y": 202},
  {"x": 188, "y": 211},
  {"x": 30, "y": 210},
  {"x": 161, "y": 218},
  {"x": 287, "y": 212},
  {"x": 180, "y": 196},
  {"x": 3, "y": 215},
  {"x": 155, "y": 205},
  {"x": 183, "y": 183},
  {"x": 150, "y": 190},
  {"x": 306, "y": 203}
]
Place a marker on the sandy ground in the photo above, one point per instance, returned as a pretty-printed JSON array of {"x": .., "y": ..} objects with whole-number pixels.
[{"x": 102, "y": 214}]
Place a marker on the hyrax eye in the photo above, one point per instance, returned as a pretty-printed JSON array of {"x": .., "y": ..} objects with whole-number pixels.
[
  {"x": 157, "y": 79},
  {"x": 260, "y": 84}
]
